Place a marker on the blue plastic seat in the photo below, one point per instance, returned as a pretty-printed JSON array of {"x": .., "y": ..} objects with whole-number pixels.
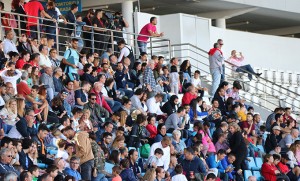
[
  {"x": 252, "y": 165},
  {"x": 261, "y": 148},
  {"x": 108, "y": 167},
  {"x": 247, "y": 173},
  {"x": 258, "y": 162},
  {"x": 42, "y": 165},
  {"x": 258, "y": 175},
  {"x": 169, "y": 134}
]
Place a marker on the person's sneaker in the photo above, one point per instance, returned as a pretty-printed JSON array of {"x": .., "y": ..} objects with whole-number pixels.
[{"x": 258, "y": 74}]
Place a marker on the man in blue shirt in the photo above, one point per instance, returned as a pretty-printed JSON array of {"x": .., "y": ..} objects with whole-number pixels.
[
  {"x": 193, "y": 166},
  {"x": 214, "y": 161},
  {"x": 72, "y": 170},
  {"x": 71, "y": 60}
]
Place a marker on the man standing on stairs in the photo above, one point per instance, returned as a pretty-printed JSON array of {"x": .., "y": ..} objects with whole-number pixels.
[
  {"x": 220, "y": 42},
  {"x": 215, "y": 65}
]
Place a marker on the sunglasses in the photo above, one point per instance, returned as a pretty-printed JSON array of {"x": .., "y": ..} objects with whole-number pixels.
[{"x": 93, "y": 98}]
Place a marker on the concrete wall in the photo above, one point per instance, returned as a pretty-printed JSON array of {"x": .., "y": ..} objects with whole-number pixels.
[{"x": 264, "y": 51}]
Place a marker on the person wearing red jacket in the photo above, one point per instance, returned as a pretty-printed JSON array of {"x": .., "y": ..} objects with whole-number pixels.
[
  {"x": 151, "y": 126},
  {"x": 269, "y": 171},
  {"x": 99, "y": 98},
  {"x": 189, "y": 95}
]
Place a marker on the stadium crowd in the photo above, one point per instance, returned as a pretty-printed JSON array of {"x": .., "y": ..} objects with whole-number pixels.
[{"x": 103, "y": 116}]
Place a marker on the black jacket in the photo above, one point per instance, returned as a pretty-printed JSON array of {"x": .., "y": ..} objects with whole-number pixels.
[
  {"x": 169, "y": 107},
  {"x": 271, "y": 142},
  {"x": 24, "y": 130},
  {"x": 222, "y": 104},
  {"x": 22, "y": 160}
]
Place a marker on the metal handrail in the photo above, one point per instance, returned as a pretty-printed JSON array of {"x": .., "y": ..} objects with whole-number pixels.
[
  {"x": 204, "y": 51},
  {"x": 132, "y": 36},
  {"x": 231, "y": 69}
]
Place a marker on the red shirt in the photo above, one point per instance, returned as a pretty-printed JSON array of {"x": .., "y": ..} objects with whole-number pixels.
[
  {"x": 23, "y": 88},
  {"x": 101, "y": 101},
  {"x": 20, "y": 63},
  {"x": 283, "y": 168},
  {"x": 187, "y": 98},
  {"x": 245, "y": 124},
  {"x": 268, "y": 171},
  {"x": 145, "y": 31},
  {"x": 33, "y": 8},
  {"x": 152, "y": 130},
  {"x": 34, "y": 64}
]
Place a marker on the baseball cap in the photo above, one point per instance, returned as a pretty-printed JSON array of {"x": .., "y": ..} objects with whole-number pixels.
[
  {"x": 64, "y": 92},
  {"x": 276, "y": 128}
]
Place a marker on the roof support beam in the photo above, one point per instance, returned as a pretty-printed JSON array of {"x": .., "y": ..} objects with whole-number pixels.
[
  {"x": 281, "y": 31},
  {"x": 226, "y": 14}
]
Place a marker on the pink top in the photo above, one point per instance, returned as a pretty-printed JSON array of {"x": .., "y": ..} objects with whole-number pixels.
[
  {"x": 207, "y": 141},
  {"x": 117, "y": 178},
  {"x": 145, "y": 31},
  {"x": 237, "y": 62}
]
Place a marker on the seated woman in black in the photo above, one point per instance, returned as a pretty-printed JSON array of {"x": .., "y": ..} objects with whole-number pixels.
[
  {"x": 138, "y": 133},
  {"x": 87, "y": 76}
]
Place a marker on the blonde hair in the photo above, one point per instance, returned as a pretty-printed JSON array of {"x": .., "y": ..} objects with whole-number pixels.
[
  {"x": 235, "y": 126},
  {"x": 7, "y": 106},
  {"x": 149, "y": 175},
  {"x": 123, "y": 118},
  {"x": 116, "y": 141},
  {"x": 20, "y": 106}
]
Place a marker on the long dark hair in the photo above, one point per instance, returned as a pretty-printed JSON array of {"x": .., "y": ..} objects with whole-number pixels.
[
  {"x": 194, "y": 104},
  {"x": 184, "y": 67}
]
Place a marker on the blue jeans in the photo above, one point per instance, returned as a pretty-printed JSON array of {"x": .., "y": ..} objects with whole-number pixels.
[
  {"x": 142, "y": 46},
  {"x": 216, "y": 78},
  {"x": 86, "y": 170},
  {"x": 6, "y": 128},
  {"x": 100, "y": 177},
  {"x": 114, "y": 105},
  {"x": 128, "y": 93},
  {"x": 246, "y": 69},
  {"x": 223, "y": 74}
]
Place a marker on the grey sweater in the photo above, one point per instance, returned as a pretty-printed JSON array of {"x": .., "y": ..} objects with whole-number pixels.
[
  {"x": 216, "y": 60},
  {"x": 173, "y": 121}
]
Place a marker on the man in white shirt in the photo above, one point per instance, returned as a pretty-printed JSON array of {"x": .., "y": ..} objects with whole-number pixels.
[
  {"x": 196, "y": 81},
  {"x": 44, "y": 59},
  {"x": 153, "y": 104},
  {"x": 164, "y": 145},
  {"x": 8, "y": 44}
]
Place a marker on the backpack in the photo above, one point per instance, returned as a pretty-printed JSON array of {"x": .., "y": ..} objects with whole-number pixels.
[
  {"x": 145, "y": 151},
  {"x": 62, "y": 65}
]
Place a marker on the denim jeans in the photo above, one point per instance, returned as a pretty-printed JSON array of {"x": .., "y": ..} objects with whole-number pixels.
[
  {"x": 114, "y": 105},
  {"x": 128, "y": 93},
  {"x": 223, "y": 74},
  {"x": 86, "y": 170},
  {"x": 100, "y": 177},
  {"x": 246, "y": 69},
  {"x": 216, "y": 78},
  {"x": 142, "y": 46}
]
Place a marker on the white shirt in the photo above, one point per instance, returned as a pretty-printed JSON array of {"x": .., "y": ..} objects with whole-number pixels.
[
  {"x": 124, "y": 52},
  {"x": 153, "y": 106},
  {"x": 179, "y": 177},
  {"x": 11, "y": 79},
  {"x": 8, "y": 46},
  {"x": 45, "y": 61},
  {"x": 104, "y": 92},
  {"x": 14, "y": 133},
  {"x": 196, "y": 82},
  {"x": 165, "y": 159}
]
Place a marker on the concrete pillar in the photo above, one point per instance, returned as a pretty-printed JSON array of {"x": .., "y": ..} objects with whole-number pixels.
[
  {"x": 127, "y": 11},
  {"x": 221, "y": 23}
]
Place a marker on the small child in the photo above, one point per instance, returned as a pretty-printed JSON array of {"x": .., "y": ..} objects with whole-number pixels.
[
  {"x": 153, "y": 160},
  {"x": 179, "y": 176},
  {"x": 35, "y": 172},
  {"x": 116, "y": 170},
  {"x": 174, "y": 80}
]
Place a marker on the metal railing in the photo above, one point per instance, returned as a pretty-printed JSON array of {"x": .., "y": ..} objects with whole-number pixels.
[
  {"x": 200, "y": 56},
  {"x": 107, "y": 35}
]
